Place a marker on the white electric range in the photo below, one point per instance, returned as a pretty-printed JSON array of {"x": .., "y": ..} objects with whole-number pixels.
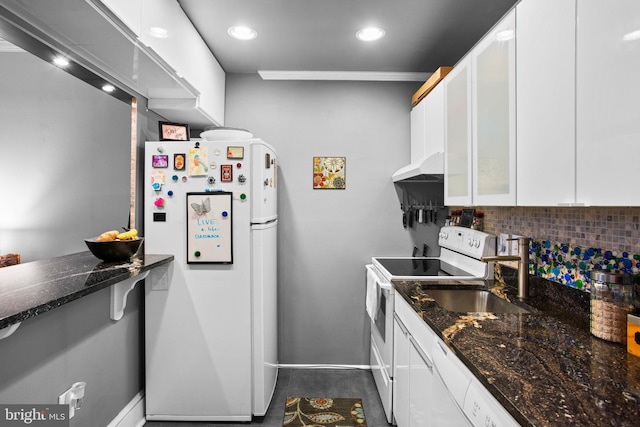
[{"x": 461, "y": 252}]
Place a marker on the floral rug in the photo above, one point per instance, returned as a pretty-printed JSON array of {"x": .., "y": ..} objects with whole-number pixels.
[{"x": 323, "y": 412}]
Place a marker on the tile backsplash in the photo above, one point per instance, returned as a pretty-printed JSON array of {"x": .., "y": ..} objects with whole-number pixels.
[{"x": 568, "y": 242}]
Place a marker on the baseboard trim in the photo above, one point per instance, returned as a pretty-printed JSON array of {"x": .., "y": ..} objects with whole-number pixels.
[
  {"x": 132, "y": 415},
  {"x": 321, "y": 366}
]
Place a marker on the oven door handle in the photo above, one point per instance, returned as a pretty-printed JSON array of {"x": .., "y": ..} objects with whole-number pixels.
[{"x": 385, "y": 285}]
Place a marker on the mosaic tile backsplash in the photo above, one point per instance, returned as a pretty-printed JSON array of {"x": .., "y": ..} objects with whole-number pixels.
[
  {"x": 568, "y": 242},
  {"x": 571, "y": 265}
]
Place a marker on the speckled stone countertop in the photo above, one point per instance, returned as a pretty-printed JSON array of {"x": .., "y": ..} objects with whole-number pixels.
[
  {"x": 29, "y": 289},
  {"x": 544, "y": 367}
]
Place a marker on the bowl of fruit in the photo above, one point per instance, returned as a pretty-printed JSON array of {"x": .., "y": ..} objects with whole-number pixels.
[{"x": 114, "y": 246}]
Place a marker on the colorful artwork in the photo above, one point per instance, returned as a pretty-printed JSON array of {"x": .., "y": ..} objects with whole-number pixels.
[
  {"x": 198, "y": 161},
  {"x": 329, "y": 173},
  {"x": 571, "y": 265}
]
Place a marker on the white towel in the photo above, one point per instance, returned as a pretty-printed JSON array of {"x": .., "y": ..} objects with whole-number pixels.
[{"x": 372, "y": 293}]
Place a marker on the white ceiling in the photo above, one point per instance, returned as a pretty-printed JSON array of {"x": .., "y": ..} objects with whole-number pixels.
[{"x": 318, "y": 35}]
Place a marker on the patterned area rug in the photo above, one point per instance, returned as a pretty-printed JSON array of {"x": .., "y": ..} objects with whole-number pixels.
[{"x": 323, "y": 412}]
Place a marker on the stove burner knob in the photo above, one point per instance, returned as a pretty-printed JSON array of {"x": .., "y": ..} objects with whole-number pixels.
[{"x": 476, "y": 243}]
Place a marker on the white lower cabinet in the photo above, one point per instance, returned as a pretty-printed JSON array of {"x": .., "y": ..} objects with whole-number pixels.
[
  {"x": 401, "y": 351},
  {"x": 432, "y": 386},
  {"x": 413, "y": 373},
  {"x": 420, "y": 387}
]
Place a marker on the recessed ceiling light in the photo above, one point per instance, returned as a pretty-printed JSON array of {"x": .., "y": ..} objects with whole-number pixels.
[
  {"x": 108, "y": 88},
  {"x": 242, "y": 33},
  {"x": 369, "y": 34},
  {"x": 158, "y": 32},
  {"x": 60, "y": 61}
]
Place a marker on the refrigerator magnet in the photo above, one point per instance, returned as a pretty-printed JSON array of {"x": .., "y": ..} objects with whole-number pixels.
[
  {"x": 198, "y": 161},
  {"x": 178, "y": 161},
  {"x": 235, "y": 152},
  {"x": 159, "y": 160},
  {"x": 226, "y": 173},
  {"x": 157, "y": 179}
]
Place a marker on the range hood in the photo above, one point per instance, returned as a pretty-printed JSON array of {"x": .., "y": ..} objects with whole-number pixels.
[{"x": 429, "y": 169}]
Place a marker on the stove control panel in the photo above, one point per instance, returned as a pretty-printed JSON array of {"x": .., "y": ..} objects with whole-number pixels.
[{"x": 467, "y": 241}]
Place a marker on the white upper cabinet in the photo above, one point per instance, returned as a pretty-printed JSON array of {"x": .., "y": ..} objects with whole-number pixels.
[
  {"x": 185, "y": 51},
  {"x": 128, "y": 11},
  {"x": 427, "y": 125},
  {"x": 167, "y": 34},
  {"x": 607, "y": 95},
  {"x": 493, "y": 63},
  {"x": 545, "y": 58},
  {"x": 418, "y": 132},
  {"x": 457, "y": 135},
  {"x": 434, "y": 121}
]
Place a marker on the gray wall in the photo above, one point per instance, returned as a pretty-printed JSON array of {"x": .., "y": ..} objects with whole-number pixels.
[
  {"x": 64, "y": 160},
  {"x": 327, "y": 236},
  {"x": 64, "y": 168}
]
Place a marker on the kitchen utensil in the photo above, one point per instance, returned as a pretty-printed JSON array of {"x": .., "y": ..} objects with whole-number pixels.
[
  {"x": 404, "y": 208},
  {"x": 411, "y": 216}
]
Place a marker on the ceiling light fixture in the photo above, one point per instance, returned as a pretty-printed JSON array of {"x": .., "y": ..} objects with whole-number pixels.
[
  {"x": 369, "y": 34},
  {"x": 60, "y": 61},
  {"x": 108, "y": 88},
  {"x": 242, "y": 33},
  {"x": 158, "y": 32}
]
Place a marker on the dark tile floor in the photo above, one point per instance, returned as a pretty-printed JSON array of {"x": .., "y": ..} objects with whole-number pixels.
[{"x": 354, "y": 383}]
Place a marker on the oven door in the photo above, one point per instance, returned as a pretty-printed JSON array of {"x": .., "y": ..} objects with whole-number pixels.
[{"x": 380, "y": 310}]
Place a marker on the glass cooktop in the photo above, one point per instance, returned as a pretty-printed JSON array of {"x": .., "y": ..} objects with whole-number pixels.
[{"x": 421, "y": 267}]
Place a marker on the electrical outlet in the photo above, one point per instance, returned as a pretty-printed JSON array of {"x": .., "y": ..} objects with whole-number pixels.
[
  {"x": 513, "y": 245},
  {"x": 73, "y": 397},
  {"x": 503, "y": 244}
]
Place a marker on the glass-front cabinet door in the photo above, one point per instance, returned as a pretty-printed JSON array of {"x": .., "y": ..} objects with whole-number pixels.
[
  {"x": 493, "y": 99},
  {"x": 457, "y": 139}
]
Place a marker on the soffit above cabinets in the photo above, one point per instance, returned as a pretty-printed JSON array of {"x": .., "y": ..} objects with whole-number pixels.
[{"x": 87, "y": 33}]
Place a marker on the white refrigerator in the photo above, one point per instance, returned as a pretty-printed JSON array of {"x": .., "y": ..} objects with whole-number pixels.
[{"x": 211, "y": 327}]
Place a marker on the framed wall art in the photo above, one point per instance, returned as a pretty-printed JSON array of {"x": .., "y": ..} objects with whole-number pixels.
[
  {"x": 173, "y": 131},
  {"x": 329, "y": 173}
]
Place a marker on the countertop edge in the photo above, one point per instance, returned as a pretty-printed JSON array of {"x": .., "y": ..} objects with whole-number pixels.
[
  {"x": 495, "y": 392},
  {"x": 148, "y": 262}
]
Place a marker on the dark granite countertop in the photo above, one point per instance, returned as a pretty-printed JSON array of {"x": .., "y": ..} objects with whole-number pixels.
[
  {"x": 544, "y": 367},
  {"x": 29, "y": 289}
]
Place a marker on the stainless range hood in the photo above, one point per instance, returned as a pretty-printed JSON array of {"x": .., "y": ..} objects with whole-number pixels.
[{"x": 429, "y": 169}]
